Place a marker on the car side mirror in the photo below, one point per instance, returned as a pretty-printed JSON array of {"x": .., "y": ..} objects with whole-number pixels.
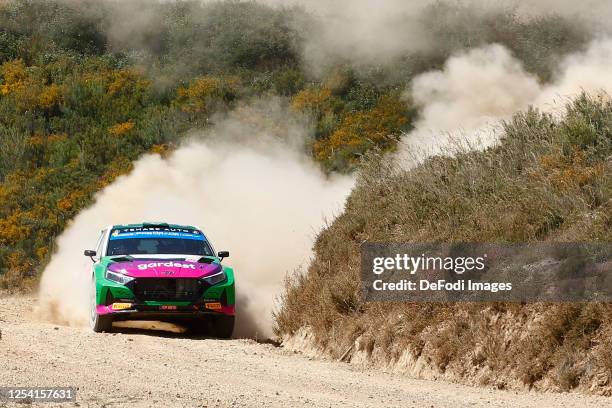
[
  {"x": 223, "y": 254},
  {"x": 90, "y": 253}
]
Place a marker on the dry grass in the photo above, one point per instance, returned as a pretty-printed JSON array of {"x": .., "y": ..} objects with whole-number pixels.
[{"x": 547, "y": 181}]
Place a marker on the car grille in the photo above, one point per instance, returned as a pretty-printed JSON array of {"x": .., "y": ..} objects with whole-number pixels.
[{"x": 167, "y": 289}]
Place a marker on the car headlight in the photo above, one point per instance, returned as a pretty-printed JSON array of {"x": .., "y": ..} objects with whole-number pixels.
[
  {"x": 216, "y": 278},
  {"x": 117, "y": 277}
]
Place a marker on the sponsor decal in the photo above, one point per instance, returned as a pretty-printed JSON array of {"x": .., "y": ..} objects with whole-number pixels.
[
  {"x": 163, "y": 229},
  {"x": 213, "y": 306},
  {"x": 170, "y": 264},
  {"x": 121, "y": 306},
  {"x": 156, "y": 232}
]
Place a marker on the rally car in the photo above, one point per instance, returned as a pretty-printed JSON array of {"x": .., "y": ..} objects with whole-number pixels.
[{"x": 159, "y": 271}]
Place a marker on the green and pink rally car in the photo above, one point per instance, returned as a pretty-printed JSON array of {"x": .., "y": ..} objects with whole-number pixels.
[{"x": 159, "y": 271}]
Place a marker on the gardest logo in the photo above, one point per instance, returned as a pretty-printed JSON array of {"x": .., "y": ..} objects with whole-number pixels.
[{"x": 170, "y": 264}]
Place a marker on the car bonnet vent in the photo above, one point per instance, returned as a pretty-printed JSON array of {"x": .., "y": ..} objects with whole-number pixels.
[{"x": 122, "y": 259}]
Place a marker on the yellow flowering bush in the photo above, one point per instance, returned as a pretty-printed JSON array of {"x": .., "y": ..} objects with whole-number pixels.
[
  {"x": 50, "y": 96},
  {"x": 361, "y": 130},
  {"x": 311, "y": 99},
  {"x": 205, "y": 93},
  {"x": 121, "y": 129},
  {"x": 14, "y": 76}
]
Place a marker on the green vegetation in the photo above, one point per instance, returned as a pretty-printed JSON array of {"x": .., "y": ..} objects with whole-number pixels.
[
  {"x": 78, "y": 104},
  {"x": 547, "y": 180},
  {"x": 88, "y": 87}
]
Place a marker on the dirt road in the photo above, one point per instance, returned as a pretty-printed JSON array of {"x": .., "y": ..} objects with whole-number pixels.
[{"x": 147, "y": 368}]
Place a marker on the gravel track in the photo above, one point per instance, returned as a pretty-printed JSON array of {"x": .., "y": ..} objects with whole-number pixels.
[{"x": 144, "y": 368}]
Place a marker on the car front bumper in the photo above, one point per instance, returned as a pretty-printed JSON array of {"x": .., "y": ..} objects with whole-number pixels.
[{"x": 121, "y": 302}]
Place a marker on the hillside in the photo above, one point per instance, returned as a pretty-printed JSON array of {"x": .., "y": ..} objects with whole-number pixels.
[
  {"x": 86, "y": 88},
  {"x": 547, "y": 180}
]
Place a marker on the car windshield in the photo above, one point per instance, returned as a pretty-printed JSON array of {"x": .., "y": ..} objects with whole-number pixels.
[{"x": 158, "y": 242}]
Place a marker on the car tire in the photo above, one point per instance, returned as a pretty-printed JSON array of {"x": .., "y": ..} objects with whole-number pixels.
[
  {"x": 98, "y": 323},
  {"x": 199, "y": 328},
  {"x": 101, "y": 324},
  {"x": 223, "y": 327}
]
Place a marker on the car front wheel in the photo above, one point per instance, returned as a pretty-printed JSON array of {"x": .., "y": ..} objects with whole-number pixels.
[
  {"x": 96, "y": 322},
  {"x": 223, "y": 327}
]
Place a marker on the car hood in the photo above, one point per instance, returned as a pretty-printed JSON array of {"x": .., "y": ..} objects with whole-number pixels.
[{"x": 164, "y": 268}]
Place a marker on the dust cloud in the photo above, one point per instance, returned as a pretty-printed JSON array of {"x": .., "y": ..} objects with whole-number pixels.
[
  {"x": 371, "y": 32},
  {"x": 253, "y": 194},
  {"x": 464, "y": 104},
  {"x": 361, "y": 32}
]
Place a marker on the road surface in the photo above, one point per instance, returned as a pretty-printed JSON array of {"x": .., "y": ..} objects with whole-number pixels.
[{"x": 143, "y": 368}]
